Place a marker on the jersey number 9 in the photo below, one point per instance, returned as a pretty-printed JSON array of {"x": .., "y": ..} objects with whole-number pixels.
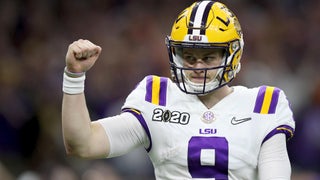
[{"x": 208, "y": 157}]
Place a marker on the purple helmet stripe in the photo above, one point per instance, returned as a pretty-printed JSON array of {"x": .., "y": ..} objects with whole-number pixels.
[{"x": 205, "y": 18}]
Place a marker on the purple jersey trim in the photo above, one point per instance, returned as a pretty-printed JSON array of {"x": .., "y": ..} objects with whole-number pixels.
[
  {"x": 163, "y": 91},
  {"x": 161, "y": 95},
  {"x": 274, "y": 101},
  {"x": 143, "y": 123},
  {"x": 261, "y": 98},
  {"x": 287, "y": 130},
  {"x": 149, "y": 89}
]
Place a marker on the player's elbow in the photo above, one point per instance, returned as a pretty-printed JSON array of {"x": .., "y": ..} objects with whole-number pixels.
[{"x": 76, "y": 151}]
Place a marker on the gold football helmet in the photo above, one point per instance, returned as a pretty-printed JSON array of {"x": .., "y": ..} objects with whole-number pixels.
[{"x": 205, "y": 24}]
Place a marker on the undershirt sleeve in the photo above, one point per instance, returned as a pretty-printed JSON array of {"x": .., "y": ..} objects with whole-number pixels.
[
  {"x": 125, "y": 133},
  {"x": 274, "y": 163}
]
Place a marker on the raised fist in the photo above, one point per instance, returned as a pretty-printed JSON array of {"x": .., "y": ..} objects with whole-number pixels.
[{"x": 81, "y": 56}]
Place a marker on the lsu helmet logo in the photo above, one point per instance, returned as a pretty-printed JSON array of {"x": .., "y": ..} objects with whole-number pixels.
[{"x": 195, "y": 38}]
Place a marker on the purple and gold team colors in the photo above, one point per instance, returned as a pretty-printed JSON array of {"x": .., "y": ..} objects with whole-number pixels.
[
  {"x": 156, "y": 90},
  {"x": 194, "y": 125},
  {"x": 267, "y": 100},
  {"x": 188, "y": 140}
]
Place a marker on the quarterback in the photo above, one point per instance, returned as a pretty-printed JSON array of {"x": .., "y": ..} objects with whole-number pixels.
[{"x": 193, "y": 125}]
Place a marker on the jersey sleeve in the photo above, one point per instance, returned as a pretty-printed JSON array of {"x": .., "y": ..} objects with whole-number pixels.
[
  {"x": 124, "y": 133},
  {"x": 152, "y": 90},
  {"x": 129, "y": 129},
  {"x": 272, "y": 101}
]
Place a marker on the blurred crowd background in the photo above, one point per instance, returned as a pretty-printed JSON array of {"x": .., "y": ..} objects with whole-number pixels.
[{"x": 281, "y": 49}]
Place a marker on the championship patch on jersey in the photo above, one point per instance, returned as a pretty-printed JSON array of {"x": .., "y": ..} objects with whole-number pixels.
[
  {"x": 156, "y": 90},
  {"x": 267, "y": 100}
]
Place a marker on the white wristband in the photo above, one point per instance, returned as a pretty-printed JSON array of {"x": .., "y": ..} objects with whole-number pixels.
[{"x": 73, "y": 85}]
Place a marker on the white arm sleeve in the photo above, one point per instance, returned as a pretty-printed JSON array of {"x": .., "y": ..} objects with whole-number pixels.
[
  {"x": 124, "y": 132},
  {"x": 274, "y": 163}
]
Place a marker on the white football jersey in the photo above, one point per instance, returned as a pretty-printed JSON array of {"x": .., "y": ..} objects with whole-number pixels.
[{"x": 189, "y": 141}]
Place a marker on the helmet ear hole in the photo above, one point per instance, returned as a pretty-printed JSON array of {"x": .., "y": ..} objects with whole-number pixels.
[
  {"x": 231, "y": 74},
  {"x": 238, "y": 67}
]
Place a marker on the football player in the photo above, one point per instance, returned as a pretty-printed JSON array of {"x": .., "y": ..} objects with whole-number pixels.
[{"x": 193, "y": 125}]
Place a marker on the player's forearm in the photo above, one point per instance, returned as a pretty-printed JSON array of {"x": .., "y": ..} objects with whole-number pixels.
[
  {"x": 81, "y": 136},
  {"x": 75, "y": 124}
]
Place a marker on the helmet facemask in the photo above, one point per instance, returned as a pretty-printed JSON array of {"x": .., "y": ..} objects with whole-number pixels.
[{"x": 178, "y": 71}]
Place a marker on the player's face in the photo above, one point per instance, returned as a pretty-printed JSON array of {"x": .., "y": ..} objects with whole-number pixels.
[{"x": 201, "y": 58}]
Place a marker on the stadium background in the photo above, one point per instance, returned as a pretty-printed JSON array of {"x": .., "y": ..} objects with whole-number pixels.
[{"x": 281, "y": 48}]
